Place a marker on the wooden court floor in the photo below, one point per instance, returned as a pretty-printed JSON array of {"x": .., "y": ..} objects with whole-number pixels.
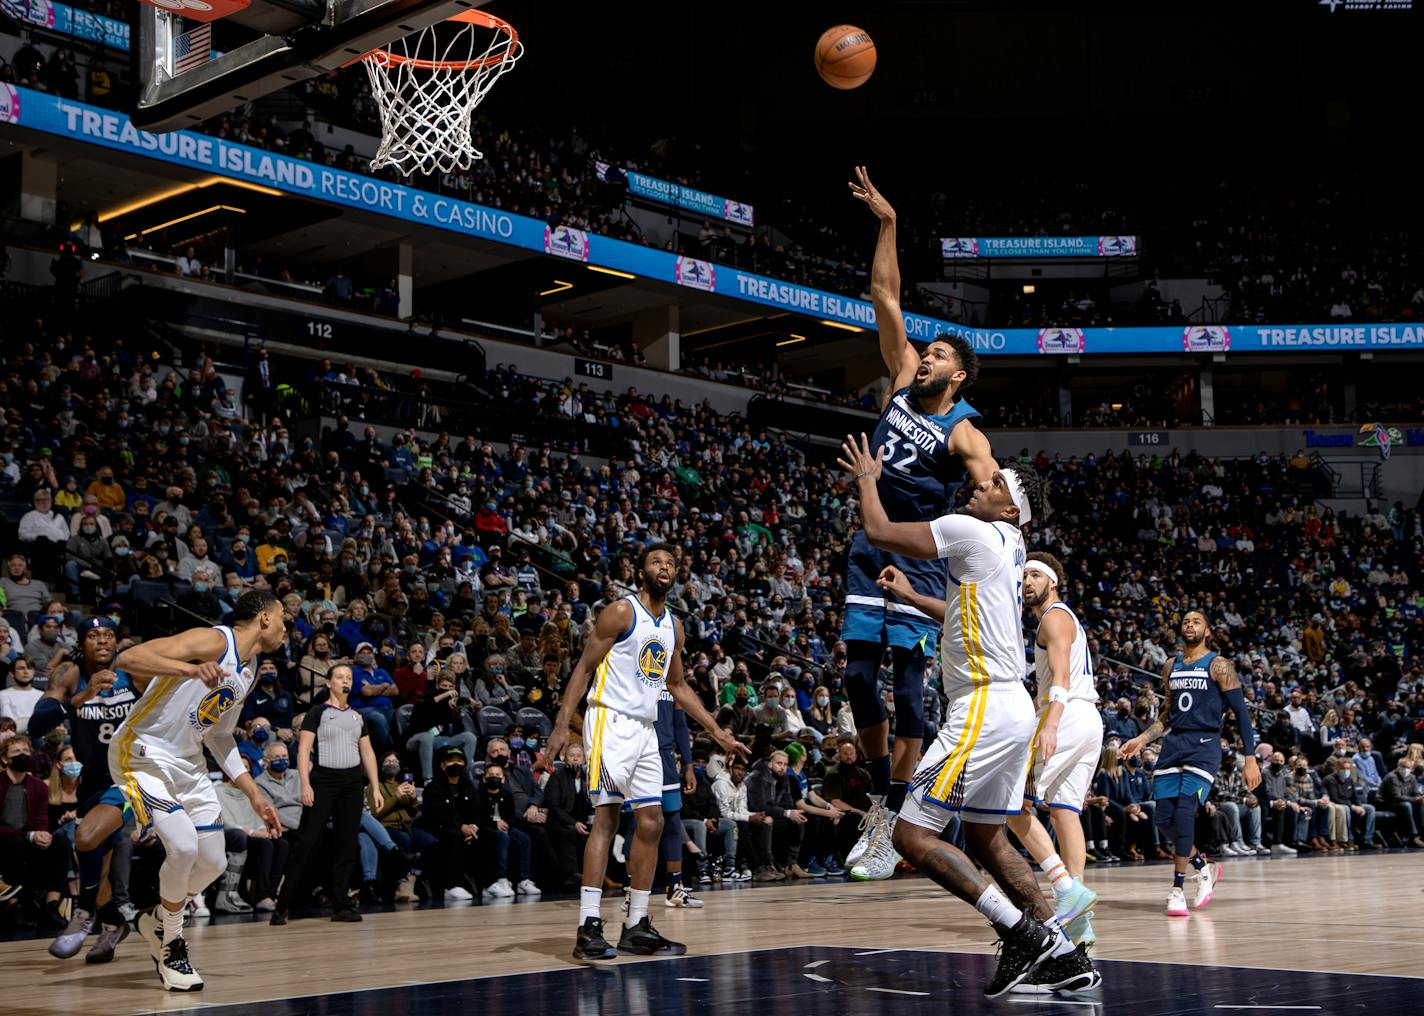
[{"x": 1342, "y": 914}]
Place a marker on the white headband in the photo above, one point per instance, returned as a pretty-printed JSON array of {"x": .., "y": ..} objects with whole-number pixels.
[
  {"x": 1016, "y": 491},
  {"x": 1039, "y": 566}
]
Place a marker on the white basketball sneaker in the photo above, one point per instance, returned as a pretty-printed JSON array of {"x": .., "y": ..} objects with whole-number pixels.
[
  {"x": 878, "y": 862},
  {"x": 869, "y": 828},
  {"x": 1177, "y": 903},
  {"x": 1206, "y": 884}
]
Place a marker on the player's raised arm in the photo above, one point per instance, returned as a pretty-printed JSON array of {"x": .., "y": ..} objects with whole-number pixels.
[
  {"x": 173, "y": 656},
  {"x": 1159, "y": 726},
  {"x": 899, "y": 356},
  {"x": 908, "y": 539},
  {"x": 972, "y": 447},
  {"x": 612, "y": 623}
]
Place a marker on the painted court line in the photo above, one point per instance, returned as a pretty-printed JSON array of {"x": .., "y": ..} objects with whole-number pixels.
[
  {"x": 877, "y": 952},
  {"x": 695, "y": 980},
  {"x": 1278, "y": 1007},
  {"x": 818, "y": 977},
  {"x": 897, "y": 991},
  {"x": 813, "y": 966},
  {"x": 1046, "y": 1000}
]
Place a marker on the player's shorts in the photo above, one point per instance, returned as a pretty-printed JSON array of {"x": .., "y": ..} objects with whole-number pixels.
[
  {"x": 871, "y": 617},
  {"x": 977, "y": 762},
  {"x": 113, "y": 796},
  {"x": 672, "y": 782},
  {"x": 1063, "y": 781},
  {"x": 624, "y": 764},
  {"x": 155, "y": 782},
  {"x": 1187, "y": 766}
]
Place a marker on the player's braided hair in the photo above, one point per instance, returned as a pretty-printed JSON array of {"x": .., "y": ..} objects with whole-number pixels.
[{"x": 1035, "y": 488}]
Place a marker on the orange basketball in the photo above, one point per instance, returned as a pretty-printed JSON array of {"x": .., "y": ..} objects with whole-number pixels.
[{"x": 845, "y": 57}]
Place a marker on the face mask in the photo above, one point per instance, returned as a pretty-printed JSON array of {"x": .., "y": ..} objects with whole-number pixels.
[
  {"x": 455, "y": 770},
  {"x": 1277, "y": 767},
  {"x": 390, "y": 769},
  {"x": 72, "y": 769},
  {"x": 494, "y": 786},
  {"x": 532, "y": 743},
  {"x": 823, "y": 700},
  {"x": 788, "y": 703},
  {"x": 261, "y": 734},
  {"x": 700, "y": 770},
  {"x": 279, "y": 765},
  {"x": 88, "y": 529},
  {"x": 200, "y": 587},
  {"x": 281, "y": 566},
  {"x": 516, "y": 743},
  {"x": 121, "y": 551},
  {"x": 20, "y": 763}
]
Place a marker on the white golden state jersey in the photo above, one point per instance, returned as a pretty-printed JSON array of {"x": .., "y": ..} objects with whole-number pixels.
[
  {"x": 983, "y": 621},
  {"x": 633, "y": 675},
  {"x": 174, "y": 713},
  {"x": 1080, "y": 663}
]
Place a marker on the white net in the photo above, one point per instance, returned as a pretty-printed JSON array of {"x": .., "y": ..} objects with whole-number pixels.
[{"x": 428, "y": 84}]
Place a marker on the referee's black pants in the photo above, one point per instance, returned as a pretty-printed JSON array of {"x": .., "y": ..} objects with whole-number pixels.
[{"x": 338, "y": 795}]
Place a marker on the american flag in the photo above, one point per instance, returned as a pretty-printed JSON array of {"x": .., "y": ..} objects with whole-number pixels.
[{"x": 191, "y": 49}]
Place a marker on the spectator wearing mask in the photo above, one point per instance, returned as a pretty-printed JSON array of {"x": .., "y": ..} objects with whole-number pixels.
[
  {"x": 18, "y": 701},
  {"x": 822, "y": 819},
  {"x": 45, "y": 648},
  {"x": 1399, "y": 793},
  {"x": 705, "y": 824},
  {"x": 401, "y": 803},
  {"x": 506, "y": 848},
  {"x": 570, "y": 815},
  {"x": 371, "y": 691},
  {"x": 1279, "y": 803},
  {"x": 282, "y": 786},
  {"x": 333, "y": 753},
  {"x": 1343, "y": 788},
  {"x": 437, "y": 722},
  {"x": 43, "y": 532},
  {"x": 87, "y": 556},
  {"x": 777, "y": 826},
  {"x": 847, "y": 787},
  {"x": 450, "y": 815},
  {"x": 263, "y": 856},
  {"x": 1237, "y": 818},
  {"x": 1370, "y": 767},
  {"x": 411, "y": 678},
  {"x": 29, "y": 853},
  {"x": 270, "y": 701},
  {"x": 24, "y": 594},
  {"x": 743, "y": 720},
  {"x": 258, "y": 734},
  {"x": 492, "y": 686}
]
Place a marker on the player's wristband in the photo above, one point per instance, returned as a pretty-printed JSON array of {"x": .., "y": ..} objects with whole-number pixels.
[{"x": 1058, "y": 694}]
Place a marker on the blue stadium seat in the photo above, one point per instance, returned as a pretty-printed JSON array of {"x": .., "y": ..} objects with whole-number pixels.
[{"x": 529, "y": 717}]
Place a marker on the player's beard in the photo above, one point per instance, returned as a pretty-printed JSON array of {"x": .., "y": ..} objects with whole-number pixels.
[
  {"x": 655, "y": 587},
  {"x": 932, "y": 388}
]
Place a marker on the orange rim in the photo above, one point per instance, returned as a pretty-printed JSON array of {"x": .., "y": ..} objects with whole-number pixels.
[{"x": 470, "y": 17}]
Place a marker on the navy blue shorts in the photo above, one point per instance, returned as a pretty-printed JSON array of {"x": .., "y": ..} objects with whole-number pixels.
[
  {"x": 871, "y": 617},
  {"x": 672, "y": 782},
  {"x": 1187, "y": 766}
]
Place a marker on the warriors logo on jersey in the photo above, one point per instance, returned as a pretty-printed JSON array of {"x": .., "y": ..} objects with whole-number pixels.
[
  {"x": 652, "y": 661},
  {"x": 212, "y": 706}
]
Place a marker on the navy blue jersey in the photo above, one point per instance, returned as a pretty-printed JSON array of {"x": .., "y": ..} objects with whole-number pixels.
[
  {"x": 93, "y": 725},
  {"x": 921, "y": 474},
  {"x": 1195, "y": 696}
]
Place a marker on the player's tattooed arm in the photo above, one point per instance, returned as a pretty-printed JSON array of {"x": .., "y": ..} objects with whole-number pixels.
[
  {"x": 1159, "y": 726},
  {"x": 1223, "y": 672}
]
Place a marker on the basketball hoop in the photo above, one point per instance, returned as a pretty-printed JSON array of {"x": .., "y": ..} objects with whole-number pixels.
[{"x": 428, "y": 84}]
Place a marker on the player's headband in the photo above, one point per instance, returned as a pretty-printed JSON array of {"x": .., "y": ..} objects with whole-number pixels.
[
  {"x": 1039, "y": 566},
  {"x": 1016, "y": 491}
]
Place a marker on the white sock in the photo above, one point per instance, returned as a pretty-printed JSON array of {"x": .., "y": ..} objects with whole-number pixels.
[
  {"x": 1057, "y": 873},
  {"x": 637, "y": 905},
  {"x": 1062, "y": 943},
  {"x": 172, "y": 923},
  {"x": 590, "y": 899},
  {"x": 994, "y": 905}
]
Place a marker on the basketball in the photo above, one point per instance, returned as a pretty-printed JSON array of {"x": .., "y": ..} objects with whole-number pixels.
[{"x": 845, "y": 57}]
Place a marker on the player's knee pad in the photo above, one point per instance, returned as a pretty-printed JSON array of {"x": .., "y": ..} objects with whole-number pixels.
[
  {"x": 863, "y": 687},
  {"x": 210, "y": 862},
  {"x": 909, "y": 670}
]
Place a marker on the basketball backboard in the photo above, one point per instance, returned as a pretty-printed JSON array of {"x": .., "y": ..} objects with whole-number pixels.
[{"x": 279, "y": 45}]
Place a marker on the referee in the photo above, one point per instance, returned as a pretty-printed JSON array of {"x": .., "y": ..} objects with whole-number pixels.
[{"x": 333, "y": 752}]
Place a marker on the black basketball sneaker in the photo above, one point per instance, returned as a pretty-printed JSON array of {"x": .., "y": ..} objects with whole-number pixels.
[
  {"x": 591, "y": 944},
  {"x": 643, "y": 940}
]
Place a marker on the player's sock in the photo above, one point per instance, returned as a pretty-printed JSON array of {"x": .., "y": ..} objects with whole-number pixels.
[
  {"x": 674, "y": 881},
  {"x": 994, "y": 905},
  {"x": 1057, "y": 873},
  {"x": 1198, "y": 861},
  {"x": 879, "y": 776},
  {"x": 1179, "y": 879},
  {"x": 91, "y": 873},
  {"x": 109, "y": 914},
  {"x": 590, "y": 899},
  {"x": 172, "y": 922},
  {"x": 895, "y": 799},
  {"x": 637, "y": 905}
]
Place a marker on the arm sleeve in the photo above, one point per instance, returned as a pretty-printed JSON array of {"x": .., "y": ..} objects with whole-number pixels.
[
  {"x": 1237, "y": 699},
  {"x": 49, "y": 713},
  {"x": 964, "y": 543},
  {"x": 682, "y": 736}
]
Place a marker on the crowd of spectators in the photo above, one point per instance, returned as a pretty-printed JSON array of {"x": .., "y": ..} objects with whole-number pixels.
[{"x": 459, "y": 581}]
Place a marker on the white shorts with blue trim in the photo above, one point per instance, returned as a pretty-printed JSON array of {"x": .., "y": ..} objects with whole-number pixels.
[
  {"x": 155, "y": 782},
  {"x": 1064, "y": 780},
  {"x": 624, "y": 764},
  {"x": 976, "y": 765}
]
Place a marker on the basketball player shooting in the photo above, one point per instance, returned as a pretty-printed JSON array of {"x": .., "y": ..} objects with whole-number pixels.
[
  {"x": 198, "y": 680},
  {"x": 977, "y": 763},
  {"x": 930, "y": 445},
  {"x": 1196, "y": 684},
  {"x": 635, "y": 650}
]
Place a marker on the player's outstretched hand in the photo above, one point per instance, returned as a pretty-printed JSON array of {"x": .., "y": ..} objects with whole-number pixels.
[
  {"x": 733, "y": 747},
  {"x": 863, "y": 190},
  {"x": 893, "y": 580},
  {"x": 1129, "y": 749},
  {"x": 857, "y": 460},
  {"x": 268, "y": 814}
]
